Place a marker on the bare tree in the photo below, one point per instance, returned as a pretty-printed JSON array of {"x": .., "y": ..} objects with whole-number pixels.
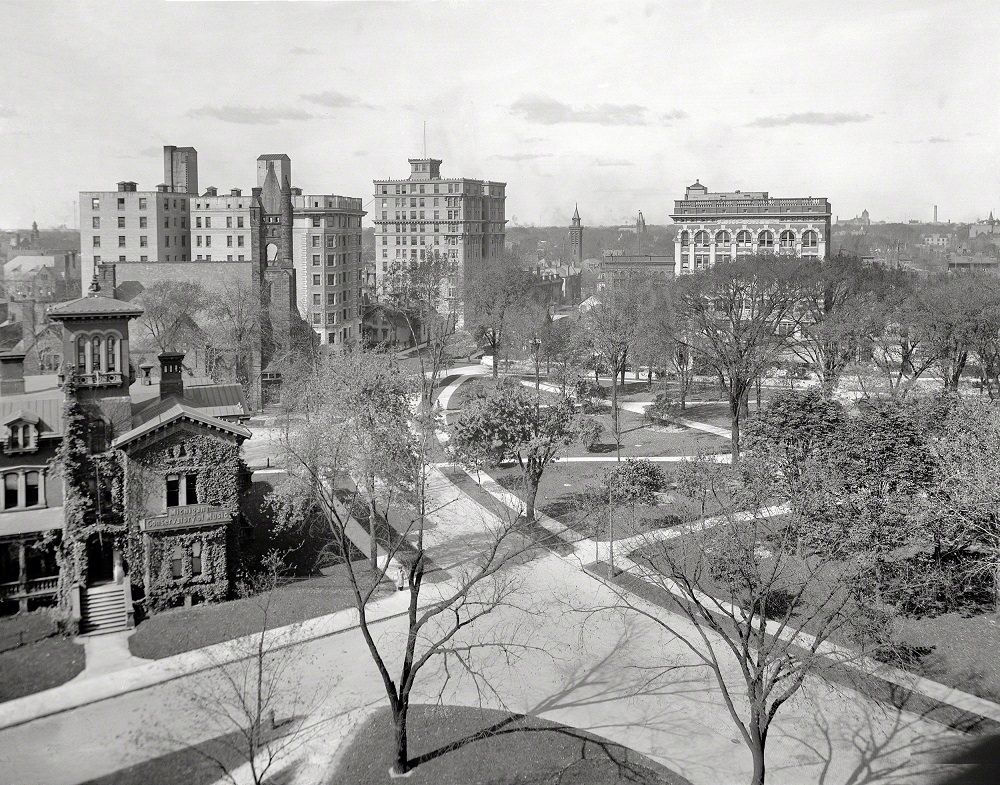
[
  {"x": 739, "y": 315},
  {"x": 252, "y": 704},
  {"x": 614, "y": 327},
  {"x": 171, "y": 311},
  {"x": 440, "y": 618},
  {"x": 492, "y": 295},
  {"x": 232, "y": 328},
  {"x": 750, "y": 599}
]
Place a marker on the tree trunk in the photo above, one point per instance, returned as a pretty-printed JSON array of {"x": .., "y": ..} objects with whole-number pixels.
[
  {"x": 614, "y": 407},
  {"x": 373, "y": 533},
  {"x": 734, "y": 407},
  {"x": 758, "y": 739},
  {"x": 530, "y": 492},
  {"x": 402, "y": 763}
]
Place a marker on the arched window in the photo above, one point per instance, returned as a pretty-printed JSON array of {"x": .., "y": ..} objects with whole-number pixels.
[
  {"x": 81, "y": 355},
  {"x": 744, "y": 237},
  {"x": 685, "y": 238},
  {"x": 31, "y": 482},
  {"x": 111, "y": 346},
  {"x": 96, "y": 344},
  {"x": 196, "y": 557},
  {"x": 177, "y": 562},
  {"x": 765, "y": 239},
  {"x": 787, "y": 238},
  {"x": 809, "y": 239},
  {"x": 723, "y": 238},
  {"x": 701, "y": 239}
]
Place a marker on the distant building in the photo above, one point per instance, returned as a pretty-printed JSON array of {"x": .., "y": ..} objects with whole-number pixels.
[
  {"x": 148, "y": 232},
  {"x": 937, "y": 240},
  {"x": 461, "y": 218},
  {"x": 724, "y": 225},
  {"x": 618, "y": 264},
  {"x": 49, "y": 277},
  {"x": 576, "y": 238},
  {"x": 991, "y": 226}
]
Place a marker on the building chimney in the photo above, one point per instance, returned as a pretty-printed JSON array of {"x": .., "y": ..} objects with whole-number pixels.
[
  {"x": 106, "y": 279},
  {"x": 935, "y": 213},
  {"x": 171, "y": 374},
  {"x": 11, "y": 373}
]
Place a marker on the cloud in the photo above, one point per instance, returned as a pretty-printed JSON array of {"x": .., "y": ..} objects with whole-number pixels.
[
  {"x": 303, "y": 50},
  {"x": 148, "y": 152},
  {"x": 810, "y": 118},
  {"x": 7, "y": 112},
  {"x": 523, "y": 156},
  {"x": 251, "y": 115},
  {"x": 612, "y": 162},
  {"x": 360, "y": 153},
  {"x": 938, "y": 140},
  {"x": 334, "y": 100},
  {"x": 549, "y": 111}
]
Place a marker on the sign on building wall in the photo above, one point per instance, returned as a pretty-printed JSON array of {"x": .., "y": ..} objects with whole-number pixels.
[{"x": 191, "y": 516}]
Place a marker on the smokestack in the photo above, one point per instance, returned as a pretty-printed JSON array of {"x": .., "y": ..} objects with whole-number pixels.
[
  {"x": 171, "y": 374},
  {"x": 935, "y": 213}
]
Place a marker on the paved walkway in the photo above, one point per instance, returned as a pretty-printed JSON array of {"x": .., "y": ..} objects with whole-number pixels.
[{"x": 105, "y": 654}]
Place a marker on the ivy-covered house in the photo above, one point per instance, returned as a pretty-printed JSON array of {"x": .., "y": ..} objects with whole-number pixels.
[{"x": 147, "y": 471}]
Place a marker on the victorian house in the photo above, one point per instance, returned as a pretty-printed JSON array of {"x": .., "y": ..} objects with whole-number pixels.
[{"x": 121, "y": 485}]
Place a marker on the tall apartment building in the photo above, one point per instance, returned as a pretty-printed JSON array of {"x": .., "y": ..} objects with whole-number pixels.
[
  {"x": 133, "y": 225},
  {"x": 176, "y": 224},
  {"x": 425, "y": 213},
  {"x": 724, "y": 225},
  {"x": 326, "y": 251}
]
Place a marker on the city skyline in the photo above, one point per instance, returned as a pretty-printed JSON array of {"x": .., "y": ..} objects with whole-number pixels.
[{"x": 616, "y": 107}]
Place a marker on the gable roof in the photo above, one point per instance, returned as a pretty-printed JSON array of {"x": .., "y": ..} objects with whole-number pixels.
[
  {"x": 213, "y": 400},
  {"x": 83, "y": 307},
  {"x": 20, "y": 414},
  {"x": 174, "y": 411}
]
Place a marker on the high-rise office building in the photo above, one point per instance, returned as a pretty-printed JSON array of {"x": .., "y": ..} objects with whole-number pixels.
[{"x": 461, "y": 218}]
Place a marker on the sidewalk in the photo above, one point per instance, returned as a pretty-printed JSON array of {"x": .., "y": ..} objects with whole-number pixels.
[{"x": 111, "y": 681}]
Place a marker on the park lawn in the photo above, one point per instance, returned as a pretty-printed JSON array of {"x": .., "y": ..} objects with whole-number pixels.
[
  {"x": 184, "y": 629},
  {"x": 34, "y": 656},
  {"x": 954, "y": 649},
  {"x": 468, "y": 390},
  {"x": 642, "y": 441},
  {"x": 562, "y": 496},
  {"x": 492, "y": 748}
]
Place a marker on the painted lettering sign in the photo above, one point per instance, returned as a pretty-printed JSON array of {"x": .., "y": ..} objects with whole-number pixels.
[{"x": 191, "y": 516}]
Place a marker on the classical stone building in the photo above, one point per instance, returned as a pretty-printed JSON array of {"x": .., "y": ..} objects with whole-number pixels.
[
  {"x": 723, "y": 225},
  {"x": 457, "y": 217},
  {"x": 118, "y": 492}
]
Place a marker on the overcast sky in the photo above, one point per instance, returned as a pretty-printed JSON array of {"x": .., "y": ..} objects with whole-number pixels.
[{"x": 889, "y": 106}]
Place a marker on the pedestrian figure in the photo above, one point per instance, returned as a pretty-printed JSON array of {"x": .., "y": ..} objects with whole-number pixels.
[{"x": 400, "y": 578}]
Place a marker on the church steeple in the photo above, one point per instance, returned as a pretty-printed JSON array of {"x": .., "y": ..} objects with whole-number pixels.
[{"x": 576, "y": 237}]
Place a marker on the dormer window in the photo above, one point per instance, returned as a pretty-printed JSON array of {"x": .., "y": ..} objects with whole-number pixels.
[{"x": 20, "y": 432}]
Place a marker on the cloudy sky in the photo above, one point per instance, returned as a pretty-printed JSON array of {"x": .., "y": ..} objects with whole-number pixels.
[{"x": 889, "y": 106}]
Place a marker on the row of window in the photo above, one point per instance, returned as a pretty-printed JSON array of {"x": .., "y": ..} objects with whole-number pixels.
[
  {"x": 208, "y": 222},
  {"x": 95, "y": 203},
  {"x": 765, "y": 238},
  {"x": 333, "y": 317},
  {"x": 175, "y": 258},
  {"x": 332, "y": 240},
  {"x": 143, "y": 241},
  {"x": 240, "y": 240},
  {"x": 177, "y": 560},
  {"x": 100, "y": 353},
  {"x": 336, "y": 279}
]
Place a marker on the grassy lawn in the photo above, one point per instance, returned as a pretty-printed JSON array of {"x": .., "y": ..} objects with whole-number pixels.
[
  {"x": 475, "y": 746},
  {"x": 642, "y": 441},
  {"x": 33, "y": 656},
  {"x": 183, "y": 629},
  {"x": 562, "y": 495},
  {"x": 954, "y": 649}
]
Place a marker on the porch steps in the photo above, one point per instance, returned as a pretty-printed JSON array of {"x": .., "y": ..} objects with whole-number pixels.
[{"x": 102, "y": 609}]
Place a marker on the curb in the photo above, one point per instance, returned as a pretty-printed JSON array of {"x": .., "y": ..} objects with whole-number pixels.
[{"x": 74, "y": 695}]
